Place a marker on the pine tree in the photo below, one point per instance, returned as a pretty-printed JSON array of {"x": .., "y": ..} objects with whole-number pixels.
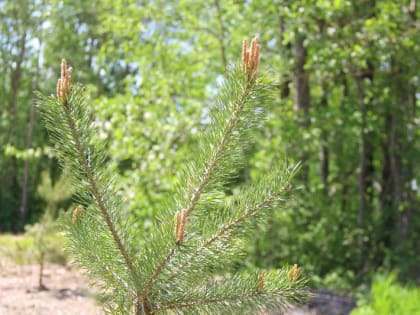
[
  {"x": 184, "y": 266},
  {"x": 44, "y": 232}
]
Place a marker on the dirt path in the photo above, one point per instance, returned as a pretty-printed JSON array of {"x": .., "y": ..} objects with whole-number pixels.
[{"x": 67, "y": 294}]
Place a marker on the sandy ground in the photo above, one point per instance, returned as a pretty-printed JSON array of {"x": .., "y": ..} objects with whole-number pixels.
[{"x": 67, "y": 291}]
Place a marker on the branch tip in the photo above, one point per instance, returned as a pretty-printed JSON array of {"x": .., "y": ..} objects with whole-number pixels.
[
  {"x": 64, "y": 83},
  {"x": 180, "y": 222},
  {"x": 250, "y": 57},
  {"x": 261, "y": 280},
  {"x": 77, "y": 214},
  {"x": 294, "y": 273}
]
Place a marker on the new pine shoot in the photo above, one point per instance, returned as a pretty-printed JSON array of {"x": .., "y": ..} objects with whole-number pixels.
[{"x": 185, "y": 266}]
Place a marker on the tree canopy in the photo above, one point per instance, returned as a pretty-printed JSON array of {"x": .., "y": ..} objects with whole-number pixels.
[{"x": 346, "y": 81}]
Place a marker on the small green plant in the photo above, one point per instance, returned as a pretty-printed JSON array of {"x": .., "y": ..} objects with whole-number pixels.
[
  {"x": 390, "y": 298},
  {"x": 45, "y": 243},
  {"x": 48, "y": 244},
  {"x": 185, "y": 265}
]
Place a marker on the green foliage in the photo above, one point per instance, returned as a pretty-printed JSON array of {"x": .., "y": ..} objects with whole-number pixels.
[
  {"x": 153, "y": 69},
  {"x": 18, "y": 249},
  {"x": 24, "y": 249},
  {"x": 175, "y": 268},
  {"x": 389, "y": 298}
]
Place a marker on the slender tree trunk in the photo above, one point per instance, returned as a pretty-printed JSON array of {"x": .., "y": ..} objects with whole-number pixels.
[
  {"x": 366, "y": 168},
  {"x": 400, "y": 146},
  {"x": 324, "y": 151},
  {"x": 15, "y": 84},
  {"x": 386, "y": 199},
  {"x": 31, "y": 124},
  {"x": 339, "y": 149},
  {"x": 302, "y": 98},
  {"x": 285, "y": 52},
  {"x": 41, "y": 285},
  {"x": 25, "y": 182}
]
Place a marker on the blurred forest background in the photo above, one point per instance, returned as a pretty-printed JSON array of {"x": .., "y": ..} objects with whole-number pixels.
[{"x": 347, "y": 80}]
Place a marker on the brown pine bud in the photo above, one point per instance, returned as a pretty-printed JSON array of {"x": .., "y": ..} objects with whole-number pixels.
[
  {"x": 294, "y": 273},
  {"x": 180, "y": 219},
  {"x": 261, "y": 280},
  {"x": 244, "y": 51},
  {"x": 181, "y": 232},
  {"x": 250, "y": 57},
  {"x": 177, "y": 222},
  {"x": 64, "y": 83},
  {"x": 77, "y": 214}
]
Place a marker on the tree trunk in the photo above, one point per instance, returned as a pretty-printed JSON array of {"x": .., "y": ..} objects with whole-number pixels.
[
  {"x": 386, "y": 199},
  {"x": 31, "y": 124},
  {"x": 11, "y": 169},
  {"x": 324, "y": 151},
  {"x": 366, "y": 167},
  {"x": 285, "y": 53},
  {"x": 14, "y": 85},
  {"x": 302, "y": 99},
  {"x": 25, "y": 181},
  {"x": 401, "y": 147}
]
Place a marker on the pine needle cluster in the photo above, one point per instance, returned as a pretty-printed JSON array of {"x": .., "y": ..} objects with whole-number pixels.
[{"x": 184, "y": 266}]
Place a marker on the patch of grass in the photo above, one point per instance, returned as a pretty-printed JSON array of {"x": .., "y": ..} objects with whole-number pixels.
[
  {"x": 390, "y": 298},
  {"x": 17, "y": 248},
  {"x": 22, "y": 249}
]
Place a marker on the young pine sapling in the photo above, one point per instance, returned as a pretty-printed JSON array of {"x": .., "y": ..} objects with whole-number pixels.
[
  {"x": 183, "y": 268},
  {"x": 45, "y": 233}
]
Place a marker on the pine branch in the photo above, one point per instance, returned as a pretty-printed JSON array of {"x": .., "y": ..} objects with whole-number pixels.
[
  {"x": 217, "y": 154},
  {"x": 204, "y": 302},
  {"x": 263, "y": 290},
  {"x": 158, "y": 271},
  {"x": 248, "y": 213},
  {"x": 207, "y": 173},
  {"x": 69, "y": 123},
  {"x": 209, "y": 169},
  {"x": 205, "y": 177},
  {"x": 235, "y": 223},
  {"x": 95, "y": 190}
]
